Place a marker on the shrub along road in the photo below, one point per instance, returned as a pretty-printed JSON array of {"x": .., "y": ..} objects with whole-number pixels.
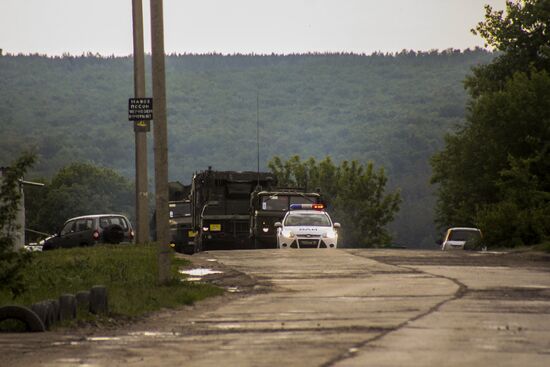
[{"x": 331, "y": 308}]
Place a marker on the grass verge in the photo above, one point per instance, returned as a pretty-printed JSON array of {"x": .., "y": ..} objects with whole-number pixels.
[
  {"x": 544, "y": 247},
  {"x": 128, "y": 272}
]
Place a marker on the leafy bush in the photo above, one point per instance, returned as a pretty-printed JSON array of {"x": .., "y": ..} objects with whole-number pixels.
[
  {"x": 12, "y": 262},
  {"x": 355, "y": 195},
  {"x": 78, "y": 189}
]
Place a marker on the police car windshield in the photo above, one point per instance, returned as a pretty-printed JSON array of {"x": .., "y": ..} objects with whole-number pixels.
[
  {"x": 303, "y": 219},
  {"x": 303, "y": 199}
]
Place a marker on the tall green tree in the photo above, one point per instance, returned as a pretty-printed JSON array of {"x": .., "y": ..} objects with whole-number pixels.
[
  {"x": 493, "y": 172},
  {"x": 12, "y": 263},
  {"x": 79, "y": 189},
  {"x": 353, "y": 193},
  {"x": 520, "y": 34}
]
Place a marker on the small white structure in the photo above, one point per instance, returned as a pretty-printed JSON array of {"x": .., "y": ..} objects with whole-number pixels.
[{"x": 19, "y": 233}]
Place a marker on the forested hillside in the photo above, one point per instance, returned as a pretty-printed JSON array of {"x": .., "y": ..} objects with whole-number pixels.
[{"x": 391, "y": 109}]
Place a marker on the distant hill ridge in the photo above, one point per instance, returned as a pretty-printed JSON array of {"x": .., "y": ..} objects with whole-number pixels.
[{"x": 390, "y": 108}]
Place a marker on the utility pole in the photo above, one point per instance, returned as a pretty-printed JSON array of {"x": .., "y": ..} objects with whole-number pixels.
[
  {"x": 160, "y": 141},
  {"x": 140, "y": 128},
  {"x": 258, "y": 135}
]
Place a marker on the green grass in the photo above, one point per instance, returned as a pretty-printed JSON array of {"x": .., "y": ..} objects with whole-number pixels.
[
  {"x": 545, "y": 247},
  {"x": 128, "y": 272}
]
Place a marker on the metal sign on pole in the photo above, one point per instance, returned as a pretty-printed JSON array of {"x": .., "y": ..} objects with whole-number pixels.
[
  {"x": 140, "y": 110},
  {"x": 141, "y": 127}
]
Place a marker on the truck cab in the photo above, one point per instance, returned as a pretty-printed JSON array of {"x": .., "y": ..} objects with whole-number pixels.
[
  {"x": 221, "y": 207},
  {"x": 182, "y": 236},
  {"x": 269, "y": 207}
]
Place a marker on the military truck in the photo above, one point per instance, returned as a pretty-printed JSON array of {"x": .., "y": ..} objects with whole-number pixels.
[
  {"x": 268, "y": 207},
  {"x": 182, "y": 235},
  {"x": 220, "y": 207}
]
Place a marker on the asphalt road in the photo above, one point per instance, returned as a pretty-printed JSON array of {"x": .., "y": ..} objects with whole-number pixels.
[{"x": 331, "y": 308}]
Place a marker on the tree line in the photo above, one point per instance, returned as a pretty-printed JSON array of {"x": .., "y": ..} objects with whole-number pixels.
[
  {"x": 391, "y": 109},
  {"x": 494, "y": 171}
]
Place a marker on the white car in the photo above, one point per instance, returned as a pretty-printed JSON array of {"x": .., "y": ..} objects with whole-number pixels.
[
  {"x": 456, "y": 237},
  {"x": 307, "y": 226}
]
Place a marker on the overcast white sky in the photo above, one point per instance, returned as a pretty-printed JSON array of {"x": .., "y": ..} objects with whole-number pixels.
[{"x": 228, "y": 26}]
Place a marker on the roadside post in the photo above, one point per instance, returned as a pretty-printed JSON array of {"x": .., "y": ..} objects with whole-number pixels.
[
  {"x": 141, "y": 127},
  {"x": 160, "y": 141}
]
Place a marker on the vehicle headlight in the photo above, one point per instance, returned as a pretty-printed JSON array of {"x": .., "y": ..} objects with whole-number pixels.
[
  {"x": 287, "y": 233},
  {"x": 330, "y": 234}
]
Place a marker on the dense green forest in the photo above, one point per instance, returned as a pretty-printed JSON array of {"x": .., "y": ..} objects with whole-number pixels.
[
  {"x": 392, "y": 110},
  {"x": 494, "y": 172}
]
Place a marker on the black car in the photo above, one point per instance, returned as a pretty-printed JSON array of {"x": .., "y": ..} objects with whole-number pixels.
[{"x": 89, "y": 230}]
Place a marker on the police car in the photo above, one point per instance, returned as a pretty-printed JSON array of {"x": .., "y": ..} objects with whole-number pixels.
[{"x": 307, "y": 226}]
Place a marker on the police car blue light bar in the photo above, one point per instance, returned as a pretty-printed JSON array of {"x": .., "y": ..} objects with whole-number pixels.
[{"x": 306, "y": 206}]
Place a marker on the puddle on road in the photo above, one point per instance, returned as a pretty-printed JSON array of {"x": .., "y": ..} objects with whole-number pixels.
[
  {"x": 74, "y": 362},
  {"x": 195, "y": 275},
  {"x": 66, "y": 343},
  {"x": 102, "y": 338},
  {"x": 211, "y": 260},
  {"x": 200, "y": 272},
  {"x": 192, "y": 279},
  {"x": 229, "y": 326},
  {"x": 154, "y": 334},
  {"x": 233, "y": 289}
]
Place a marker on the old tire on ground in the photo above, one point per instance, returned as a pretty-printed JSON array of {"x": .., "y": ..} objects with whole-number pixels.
[
  {"x": 67, "y": 307},
  {"x": 113, "y": 234},
  {"x": 43, "y": 310},
  {"x": 83, "y": 300},
  {"x": 46, "y": 311},
  {"x": 54, "y": 303},
  {"x": 23, "y": 314},
  {"x": 98, "y": 300}
]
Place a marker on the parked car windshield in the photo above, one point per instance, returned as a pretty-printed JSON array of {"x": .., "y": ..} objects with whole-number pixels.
[
  {"x": 104, "y": 222},
  {"x": 464, "y": 235},
  {"x": 69, "y": 227},
  {"x": 299, "y": 219}
]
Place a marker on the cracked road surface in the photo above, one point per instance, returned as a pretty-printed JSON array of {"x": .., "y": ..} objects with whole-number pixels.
[{"x": 331, "y": 308}]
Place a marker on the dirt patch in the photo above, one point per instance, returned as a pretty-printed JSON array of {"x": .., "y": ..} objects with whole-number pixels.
[{"x": 225, "y": 277}]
